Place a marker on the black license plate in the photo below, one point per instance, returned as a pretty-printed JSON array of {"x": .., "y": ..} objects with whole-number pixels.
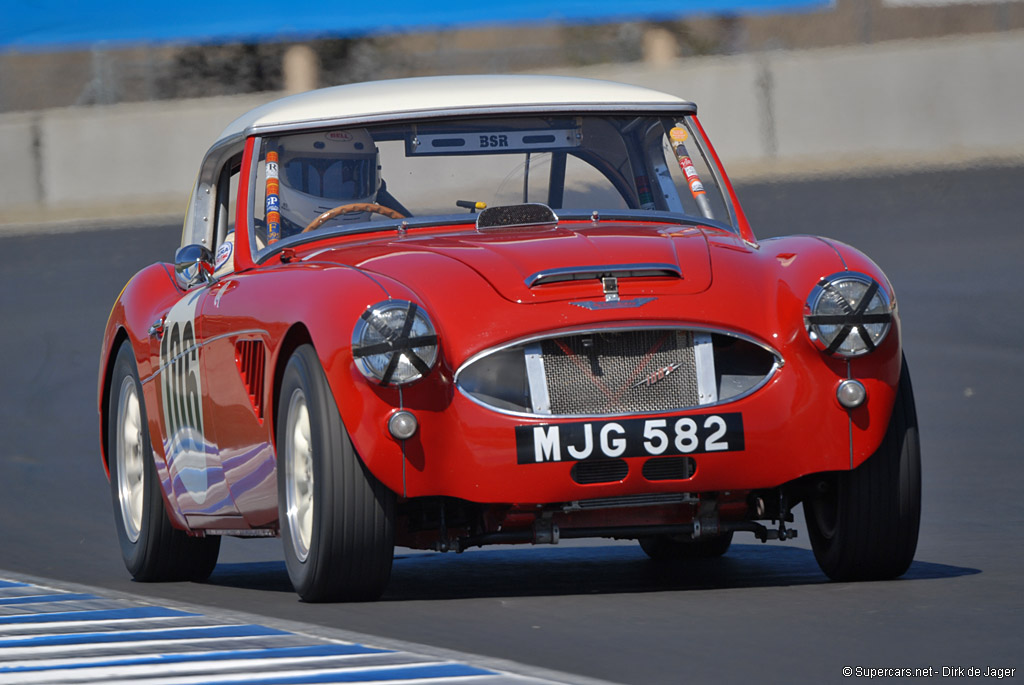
[{"x": 580, "y": 440}]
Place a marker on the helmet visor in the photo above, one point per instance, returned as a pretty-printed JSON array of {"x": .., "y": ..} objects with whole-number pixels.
[{"x": 338, "y": 179}]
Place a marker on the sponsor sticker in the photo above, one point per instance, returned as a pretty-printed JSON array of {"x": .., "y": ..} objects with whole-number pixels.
[
  {"x": 224, "y": 253},
  {"x": 679, "y": 134},
  {"x": 273, "y": 215},
  {"x": 686, "y": 164}
]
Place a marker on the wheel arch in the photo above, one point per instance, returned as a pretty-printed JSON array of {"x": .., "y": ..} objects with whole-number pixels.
[
  {"x": 296, "y": 336},
  {"x": 147, "y": 295},
  {"x": 109, "y": 359}
]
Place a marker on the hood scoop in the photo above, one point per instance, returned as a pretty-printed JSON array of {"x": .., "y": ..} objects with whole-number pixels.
[
  {"x": 570, "y": 261},
  {"x": 528, "y": 216}
]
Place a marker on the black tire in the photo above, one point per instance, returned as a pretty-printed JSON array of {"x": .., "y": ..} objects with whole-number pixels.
[
  {"x": 338, "y": 530},
  {"x": 668, "y": 548},
  {"x": 153, "y": 550},
  {"x": 864, "y": 525}
]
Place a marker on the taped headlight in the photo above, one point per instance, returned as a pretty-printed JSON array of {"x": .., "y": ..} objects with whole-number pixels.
[
  {"x": 394, "y": 343},
  {"x": 847, "y": 314}
]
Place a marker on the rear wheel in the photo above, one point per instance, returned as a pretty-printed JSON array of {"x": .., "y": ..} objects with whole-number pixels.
[
  {"x": 336, "y": 518},
  {"x": 864, "y": 525},
  {"x": 668, "y": 548},
  {"x": 153, "y": 550}
]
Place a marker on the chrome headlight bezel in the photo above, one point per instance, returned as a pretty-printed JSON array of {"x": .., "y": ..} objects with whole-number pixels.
[
  {"x": 848, "y": 314},
  {"x": 394, "y": 343}
]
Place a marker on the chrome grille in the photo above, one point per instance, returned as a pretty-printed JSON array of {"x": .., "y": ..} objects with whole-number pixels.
[
  {"x": 617, "y": 372},
  {"x": 620, "y": 372}
]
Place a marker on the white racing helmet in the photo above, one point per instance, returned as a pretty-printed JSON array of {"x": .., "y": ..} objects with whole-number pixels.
[{"x": 319, "y": 171}]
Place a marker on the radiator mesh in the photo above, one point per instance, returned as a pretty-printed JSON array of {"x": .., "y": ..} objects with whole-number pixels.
[{"x": 621, "y": 372}]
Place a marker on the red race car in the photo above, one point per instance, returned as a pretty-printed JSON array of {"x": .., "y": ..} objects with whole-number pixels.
[{"x": 459, "y": 311}]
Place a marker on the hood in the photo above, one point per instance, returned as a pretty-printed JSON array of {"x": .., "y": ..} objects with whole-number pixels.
[{"x": 546, "y": 265}]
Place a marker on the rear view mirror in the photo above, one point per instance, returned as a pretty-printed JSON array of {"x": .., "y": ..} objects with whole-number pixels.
[{"x": 193, "y": 265}]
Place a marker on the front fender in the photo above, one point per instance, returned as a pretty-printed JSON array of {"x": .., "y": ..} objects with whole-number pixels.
[
  {"x": 802, "y": 262},
  {"x": 142, "y": 302}
]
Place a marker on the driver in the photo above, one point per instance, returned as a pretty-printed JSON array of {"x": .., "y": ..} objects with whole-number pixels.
[{"x": 320, "y": 171}]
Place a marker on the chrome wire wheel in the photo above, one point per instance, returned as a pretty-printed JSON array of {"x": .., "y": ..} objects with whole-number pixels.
[
  {"x": 298, "y": 467},
  {"x": 130, "y": 465}
]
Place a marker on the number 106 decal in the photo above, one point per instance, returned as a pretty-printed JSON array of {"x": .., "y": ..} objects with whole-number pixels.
[{"x": 629, "y": 438}]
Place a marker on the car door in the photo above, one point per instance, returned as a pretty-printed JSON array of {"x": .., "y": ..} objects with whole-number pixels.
[
  {"x": 188, "y": 420},
  {"x": 235, "y": 371},
  {"x": 238, "y": 370}
]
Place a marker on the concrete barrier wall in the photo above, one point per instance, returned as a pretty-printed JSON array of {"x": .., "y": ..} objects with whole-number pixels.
[
  {"x": 134, "y": 152},
  {"x": 953, "y": 96},
  {"x": 896, "y": 103},
  {"x": 21, "y": 176},
  {"x": 109, "y": 161},
  {"x": 914, "y": 102}
]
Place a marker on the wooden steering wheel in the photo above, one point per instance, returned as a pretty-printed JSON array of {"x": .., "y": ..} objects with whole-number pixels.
[{"x": 348, "y": 209}]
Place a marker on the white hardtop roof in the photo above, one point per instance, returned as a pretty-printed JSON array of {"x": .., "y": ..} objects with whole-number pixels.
[{"x": 447, "y": 95}]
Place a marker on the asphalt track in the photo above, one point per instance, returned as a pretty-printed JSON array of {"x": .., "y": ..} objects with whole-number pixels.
[{"x": 953, "y": 245}]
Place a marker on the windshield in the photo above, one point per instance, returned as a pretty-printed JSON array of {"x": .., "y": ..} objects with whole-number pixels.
[{"x": 448, "y": 170}]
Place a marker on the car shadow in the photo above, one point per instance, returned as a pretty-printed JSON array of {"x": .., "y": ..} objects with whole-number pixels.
[{"x": 548, "y": 571}]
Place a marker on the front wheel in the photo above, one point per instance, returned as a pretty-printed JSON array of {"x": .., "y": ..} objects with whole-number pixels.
[
  {"x": 864, "y": 524},
  {"x": 153, "y": 550},
  {"x": 336, "y": 518}
]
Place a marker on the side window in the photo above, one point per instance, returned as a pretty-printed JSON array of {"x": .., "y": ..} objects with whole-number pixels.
[
  {"x": 210, "y": 215},
  {"x": 224, "y": 226},
  {"x": 227, "y": 192}
]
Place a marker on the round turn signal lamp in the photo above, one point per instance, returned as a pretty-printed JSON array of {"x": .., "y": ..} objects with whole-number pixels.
[
  {"x": 402, "y": 425},
  {"x": 851, "y": 394}
]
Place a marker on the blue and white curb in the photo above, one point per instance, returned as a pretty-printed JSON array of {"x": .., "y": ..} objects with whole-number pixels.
[{"x": 50, "y": 636}]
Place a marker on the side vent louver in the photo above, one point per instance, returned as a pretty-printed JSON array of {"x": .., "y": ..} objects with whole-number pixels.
[{"x": 251, "y": 360}]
